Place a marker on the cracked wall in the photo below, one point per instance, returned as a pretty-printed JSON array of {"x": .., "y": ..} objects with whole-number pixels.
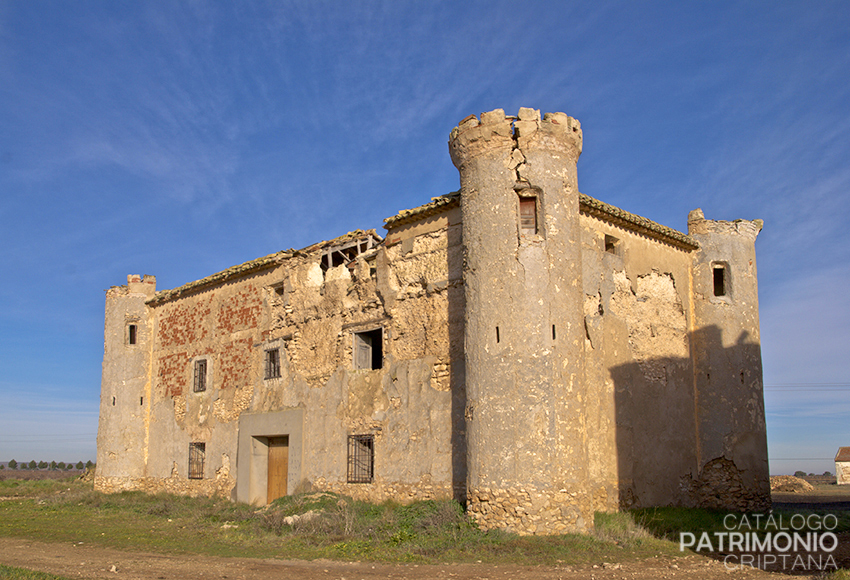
[
  {"x": 526, "y": 400},
  {"x": 543, "y": 355},
  {"x": 638, "y": 366},
  {"x": 410, "y": 288}
]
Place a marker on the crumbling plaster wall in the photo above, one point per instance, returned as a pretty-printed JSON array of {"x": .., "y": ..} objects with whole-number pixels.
[
  {"x": 842, "y": 473},
  {"x": 638, "y": 367},
  {"x": 411, "y": 288},
  {"x": 408, "y": 289},
  {"x": 222, "y": 325}
]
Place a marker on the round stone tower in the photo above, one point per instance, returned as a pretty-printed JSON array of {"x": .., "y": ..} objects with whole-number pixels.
[
  {"x": 726, "y": 348},
  {"x": 524, "y": 334}
]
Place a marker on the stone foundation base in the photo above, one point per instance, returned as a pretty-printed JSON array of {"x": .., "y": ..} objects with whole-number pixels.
[
  {"x": 221, "y": 487},
  {"x": 378, "y": 492},
  {"x": 529, "y": 511},
  {"x": 721, "y": 487}
]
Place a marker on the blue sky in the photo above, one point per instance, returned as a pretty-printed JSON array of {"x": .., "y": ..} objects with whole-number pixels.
[{"x": 178, "y": 139}]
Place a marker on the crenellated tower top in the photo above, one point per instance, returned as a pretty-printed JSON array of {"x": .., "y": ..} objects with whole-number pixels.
[
  {"x": 698, "y": 225},
  {"x": 522, "y": 133}
]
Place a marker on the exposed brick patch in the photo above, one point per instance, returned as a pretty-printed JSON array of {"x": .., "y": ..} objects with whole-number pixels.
[
  {"x": 235, "y": 364},
  {"x": 180, "y": 325},
  {"x": 240, "y": 311},
  {"x": 172, "y": 374}
]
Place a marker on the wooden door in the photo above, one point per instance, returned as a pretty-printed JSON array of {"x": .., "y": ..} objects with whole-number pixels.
[{"x": 278, "y": 467}]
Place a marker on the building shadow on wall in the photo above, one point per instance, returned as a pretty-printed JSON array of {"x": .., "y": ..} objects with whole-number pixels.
[
  {"x": 457, "y": 362},
  {"x": 690, "y": 431}
]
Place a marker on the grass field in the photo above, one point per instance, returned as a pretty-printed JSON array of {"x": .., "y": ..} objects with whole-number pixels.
[
  {"x": 341, "y": 529},
  {"x": 11, "y": 573},
  {"x": 334, "y": 527}
]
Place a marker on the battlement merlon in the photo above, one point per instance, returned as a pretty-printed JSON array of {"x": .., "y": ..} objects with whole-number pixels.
[
  {"x": 135, "y": 285},
  {"x": 526, "y": 131},
  {"x": 697, "y": 225}
]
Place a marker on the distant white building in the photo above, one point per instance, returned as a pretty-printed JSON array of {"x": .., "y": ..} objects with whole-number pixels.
[{"x": 842, "y": 466}]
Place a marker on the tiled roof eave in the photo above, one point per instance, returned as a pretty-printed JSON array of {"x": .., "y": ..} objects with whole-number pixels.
[
  {"x": 258, "y": 265},
  {"x": 628, "y": 220},
  {"x": 588, "y": 205},
  {"x": 436, "y": 206}
]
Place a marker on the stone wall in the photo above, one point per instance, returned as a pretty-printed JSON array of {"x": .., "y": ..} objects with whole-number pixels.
[
  {"x": 540, "y": 354},
  {"x": 638, "y": 367},
  {"x": 411, "y": 289},
  {"x": 524, "y": 341},
  {"x": 220, "y": 324},
  {"x": 842, "y": 472},
  {"x": 725, "y": 347}
]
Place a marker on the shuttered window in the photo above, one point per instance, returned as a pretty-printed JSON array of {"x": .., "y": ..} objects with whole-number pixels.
[
  {"x": 527, "y": 215},
  {"x": 368, "y": 349}
]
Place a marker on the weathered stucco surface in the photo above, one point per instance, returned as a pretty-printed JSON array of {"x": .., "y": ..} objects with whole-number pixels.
[
  {"x": 541, "y": 355},
  {"x": 524, "y": 348},
  {"x": 842, "y": 473},
  {"x": 311, "y": 315},
  {"x": 636, "y": 322}
]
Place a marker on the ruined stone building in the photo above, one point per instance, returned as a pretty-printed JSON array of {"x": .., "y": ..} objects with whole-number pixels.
[{"x": 520, "y": 346}]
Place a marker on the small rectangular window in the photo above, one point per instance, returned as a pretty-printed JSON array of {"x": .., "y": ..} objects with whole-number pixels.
[
  {"x": 200, "y": 376},
  {"x": 368, "y": 349},
  {"x": 611, "y": 244},
  {"x": 197, "y": 451},
  {"x": 273, "y": 363},
  {"x": 527, "y": 216},
  {"x": 131, "y": 334},
  {"x": 361, "y": 458},
  {"x": 719, "y": 280}
]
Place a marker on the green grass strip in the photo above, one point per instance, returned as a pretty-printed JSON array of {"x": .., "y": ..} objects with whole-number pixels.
[{"x": 11, "y": 573}]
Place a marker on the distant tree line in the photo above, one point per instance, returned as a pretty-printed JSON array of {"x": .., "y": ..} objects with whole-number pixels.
[{"x": 53, "y": 466}]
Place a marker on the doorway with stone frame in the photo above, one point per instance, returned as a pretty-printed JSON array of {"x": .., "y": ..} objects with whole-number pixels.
[{"x": 270, "y": 455}]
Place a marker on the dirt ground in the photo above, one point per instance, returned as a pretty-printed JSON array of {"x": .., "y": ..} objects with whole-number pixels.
[
  {"x": 81, "y": 561},
  {"x": 90, "y": 561}
]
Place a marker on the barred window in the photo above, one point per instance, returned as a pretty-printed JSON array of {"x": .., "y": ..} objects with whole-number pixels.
[
  {"x": 197, "y": 451},
  {"x": 200, "y": 376},
  {"x": 361, "y": 458},
  {"x": 273, "y": 363}
]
